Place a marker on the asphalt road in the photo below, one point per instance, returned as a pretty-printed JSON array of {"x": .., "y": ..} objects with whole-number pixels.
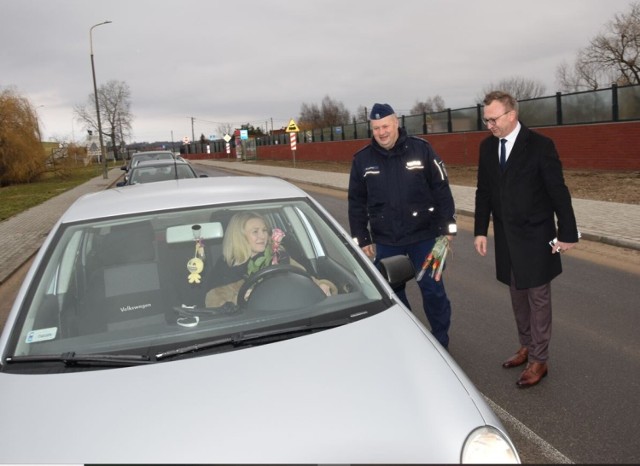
[{"x": 587, "y": 409}]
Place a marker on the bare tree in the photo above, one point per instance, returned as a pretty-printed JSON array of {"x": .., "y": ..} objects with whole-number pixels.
[
  {"x": 225, "y": 128},
  {"x": 582, "y": 75},
  {"x": 334, "y": 113},
  {"x": 310, "y": 116},
  {"x": 22, "y": 157},
  {"x": 519, "y": 87},
  {"x": 362, "y": 113},
  {"x": 431, "y": 105},
  {"x": 612, "y": 57},
  {"x": 114, "y": 99},
  {"x": 329, "y": 113}
]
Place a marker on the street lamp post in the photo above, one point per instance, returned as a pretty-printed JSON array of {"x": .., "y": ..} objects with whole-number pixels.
[{"x": 95, "y": 92}]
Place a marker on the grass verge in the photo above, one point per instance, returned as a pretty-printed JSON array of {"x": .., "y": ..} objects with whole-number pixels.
[{"x": 18, "y": 198}]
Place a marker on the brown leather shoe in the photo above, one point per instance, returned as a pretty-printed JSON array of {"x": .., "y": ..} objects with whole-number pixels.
[
  {"x": 533, "y": 374},
  {"x": 517, "y": 359}
]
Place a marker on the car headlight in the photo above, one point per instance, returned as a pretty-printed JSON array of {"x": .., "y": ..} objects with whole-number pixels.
[{"x": 488, "y": 445}]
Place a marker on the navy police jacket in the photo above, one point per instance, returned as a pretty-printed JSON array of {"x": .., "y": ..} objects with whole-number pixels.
[{"x": 399, "y": 196}]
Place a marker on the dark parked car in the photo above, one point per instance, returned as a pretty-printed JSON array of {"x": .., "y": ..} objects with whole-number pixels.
[{"x": 149, "y": 171}]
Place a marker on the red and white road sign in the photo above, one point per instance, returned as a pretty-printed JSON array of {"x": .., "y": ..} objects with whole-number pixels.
[{"x": 292, "y": 136}]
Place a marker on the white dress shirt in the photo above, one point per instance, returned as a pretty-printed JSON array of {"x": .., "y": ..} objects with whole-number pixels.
[{"x": 511, "y": 139}]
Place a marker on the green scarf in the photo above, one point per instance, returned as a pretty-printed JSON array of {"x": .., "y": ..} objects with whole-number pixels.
[{"x": 260, "y": 261}]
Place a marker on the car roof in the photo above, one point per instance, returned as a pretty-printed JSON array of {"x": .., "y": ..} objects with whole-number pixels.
[
  {"x": 159, "y": 163},
  {"x": 179, "y": 194},
  {"x": 152, "y": 155},
  {"x": 152, "y": 152}
]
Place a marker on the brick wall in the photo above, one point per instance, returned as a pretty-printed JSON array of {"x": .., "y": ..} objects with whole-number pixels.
[{"x": 608, "y": 146}]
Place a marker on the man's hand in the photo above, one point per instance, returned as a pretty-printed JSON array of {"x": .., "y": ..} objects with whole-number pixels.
[
  {"x": 369, "y": 250},
  {"x": 480, "y": 243},
  {"x": 559, "y": 246}
]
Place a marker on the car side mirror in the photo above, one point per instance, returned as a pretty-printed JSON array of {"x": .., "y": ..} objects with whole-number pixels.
[
  {"x": 204, "y": 176},
  {"x": 396, "y": 270},
  {"x": 119, "y": 184}
]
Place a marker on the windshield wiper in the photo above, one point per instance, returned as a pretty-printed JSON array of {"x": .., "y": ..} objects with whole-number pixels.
[
  {"x": 74, "y": 359},
  {"x": 242, "y": 339},
  {"x": 194, "y": 348}
]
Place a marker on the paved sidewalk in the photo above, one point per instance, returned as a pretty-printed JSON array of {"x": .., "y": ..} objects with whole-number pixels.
[{"x": 21, "y": 236}]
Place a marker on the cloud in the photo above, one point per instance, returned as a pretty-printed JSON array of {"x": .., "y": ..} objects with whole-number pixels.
[{"x": 257, "y": 61}]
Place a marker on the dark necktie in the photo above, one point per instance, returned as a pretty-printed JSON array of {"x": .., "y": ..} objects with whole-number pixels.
[{"x": 503, "y": 153}]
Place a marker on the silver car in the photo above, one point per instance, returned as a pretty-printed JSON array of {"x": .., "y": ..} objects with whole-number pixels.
[
  {"x": 110, "y": 353},
  {"x": 137, "y": 157},
  {"x": 151, "y": 171}
]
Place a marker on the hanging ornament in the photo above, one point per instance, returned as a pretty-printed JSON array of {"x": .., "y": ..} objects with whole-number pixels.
[{"x": 195, "y": 266}]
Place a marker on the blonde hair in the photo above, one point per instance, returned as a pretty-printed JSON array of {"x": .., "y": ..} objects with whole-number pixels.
[{"x": 235, "y": 247}]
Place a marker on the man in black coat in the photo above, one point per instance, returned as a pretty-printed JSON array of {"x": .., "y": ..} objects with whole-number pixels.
[{"x": 521, "y": 187}]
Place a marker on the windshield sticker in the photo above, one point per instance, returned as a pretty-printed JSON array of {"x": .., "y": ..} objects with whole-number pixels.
[{"x": 42, "y": 334}]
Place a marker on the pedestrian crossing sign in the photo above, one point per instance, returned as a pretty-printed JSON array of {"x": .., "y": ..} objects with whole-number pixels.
[{"x": 292, "y": 128}]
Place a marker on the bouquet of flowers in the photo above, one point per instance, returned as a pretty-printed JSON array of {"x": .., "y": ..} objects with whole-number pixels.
[
  {"x": 434, "y": 262},
  {"x": 276, "y": 239},
  {"x": 271, "y": 256}
]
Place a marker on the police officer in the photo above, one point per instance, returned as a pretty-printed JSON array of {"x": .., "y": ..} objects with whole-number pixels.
[{"x": 400, "y": 199}]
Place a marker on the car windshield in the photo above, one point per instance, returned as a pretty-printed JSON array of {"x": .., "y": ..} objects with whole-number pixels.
[
  {"x": 151, "y": 283},
  {"x": 148, "y": 174}
]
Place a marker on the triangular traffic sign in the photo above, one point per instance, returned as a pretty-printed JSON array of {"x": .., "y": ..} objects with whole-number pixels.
[{"x": 292, "y": 128}]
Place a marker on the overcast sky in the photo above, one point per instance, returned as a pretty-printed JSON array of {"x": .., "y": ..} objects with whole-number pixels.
[{"x": 257, "y": 61}]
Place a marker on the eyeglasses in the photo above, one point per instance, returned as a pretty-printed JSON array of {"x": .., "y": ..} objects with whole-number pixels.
[{"x": 492, "y": 121}]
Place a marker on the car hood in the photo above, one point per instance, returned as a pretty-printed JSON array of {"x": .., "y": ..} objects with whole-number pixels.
[{"x": 377, "y": 390}]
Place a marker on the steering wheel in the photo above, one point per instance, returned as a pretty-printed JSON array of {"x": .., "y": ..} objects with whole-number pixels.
[{"x": 266, "y": 273}]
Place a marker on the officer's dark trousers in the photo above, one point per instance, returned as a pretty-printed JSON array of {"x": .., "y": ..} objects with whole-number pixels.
[{"x": 434, "y": 297}]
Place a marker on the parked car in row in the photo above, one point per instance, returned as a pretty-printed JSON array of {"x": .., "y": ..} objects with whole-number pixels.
[
  {"x": 147, "y": 155},
  {"x": 149, "y": 171},
  {"x": 114, "y": 353}
]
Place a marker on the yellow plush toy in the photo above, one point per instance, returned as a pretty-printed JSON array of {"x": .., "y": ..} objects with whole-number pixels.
[{"x": 195, "y": 266}]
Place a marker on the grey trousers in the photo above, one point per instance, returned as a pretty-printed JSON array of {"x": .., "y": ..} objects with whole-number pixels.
[{"x": 532, "y": 310}]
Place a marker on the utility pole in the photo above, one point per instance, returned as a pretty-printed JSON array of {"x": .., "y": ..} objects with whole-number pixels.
[
  {"x": 193, "y": 134},
  {"x": 123, "y": 145},
  {"x": 105, "y": 173}
]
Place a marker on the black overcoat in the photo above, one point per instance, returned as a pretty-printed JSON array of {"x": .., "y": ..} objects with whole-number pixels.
[{"x": 524, "y": 202}]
